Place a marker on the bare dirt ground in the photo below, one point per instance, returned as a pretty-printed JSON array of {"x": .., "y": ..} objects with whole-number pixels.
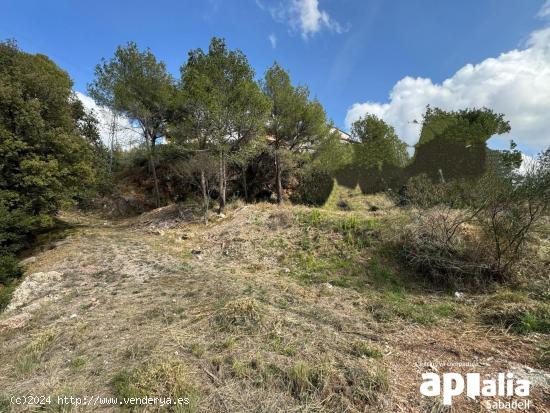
[{"x": 156, "y": 305}]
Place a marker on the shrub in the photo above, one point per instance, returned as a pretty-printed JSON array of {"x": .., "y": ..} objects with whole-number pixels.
[
  {"x": 6, "y": 292},
  {"x": 510, "y": 207},
  {"x": 475, "y": 230},
  {"x": 440, "y": 244},
  {"x": 9, "y": 268},
  {"x": 421, "y": 191},
  {"x": 315, "y": 187},
  {"x": 10, "y": 271}
]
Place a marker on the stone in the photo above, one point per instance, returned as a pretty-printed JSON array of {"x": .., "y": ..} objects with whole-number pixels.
[
  {"x": 14, "y": 322},
  {"x": 34, "y": 286},
  {"x": 27, "y": 261}
]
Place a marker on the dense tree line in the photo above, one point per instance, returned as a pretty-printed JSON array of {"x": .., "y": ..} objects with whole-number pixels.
[
  {"x": 217, "y": 117},
  {"x": 231, "y": 133}
]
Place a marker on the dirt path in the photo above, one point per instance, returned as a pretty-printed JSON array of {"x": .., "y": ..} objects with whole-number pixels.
[{"x": 130, "y": 297}]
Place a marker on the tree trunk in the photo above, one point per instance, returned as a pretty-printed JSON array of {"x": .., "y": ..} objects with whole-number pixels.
[
  {"x": 112, "y": 138},
  {"x": 154, "y": 171},
  {"x": 278, "y": 174},
  {"x": 245, "y": 189},
  {"x": 222, "y": 183},
  {"x": 204, "y": 196}
]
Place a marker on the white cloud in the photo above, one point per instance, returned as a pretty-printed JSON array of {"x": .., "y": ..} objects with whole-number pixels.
[
  {"x": 304, "y": 16},
  {"x": 516, "y": 83},
  {"x": 126, "y": 134},
  {"x": 544, "y": 10},
  {"x": 273, "y": 40}
]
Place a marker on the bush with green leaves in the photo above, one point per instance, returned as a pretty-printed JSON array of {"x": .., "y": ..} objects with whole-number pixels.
[
  {"x": 315, "y": 187},
  {"x": 48, "y": 148},
  {"x": 9, "y": 268}
]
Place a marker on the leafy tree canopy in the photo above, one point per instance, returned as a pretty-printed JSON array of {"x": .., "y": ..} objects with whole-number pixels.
[
  {"x": 46, "y": 157},
  {"x": 471, "y": 126},
  {"x": 220, "y": 102},
  {"x": 296, "y": 121},
  {"x": 379, "y": 144},
  {"x": 135, "y": 84}
]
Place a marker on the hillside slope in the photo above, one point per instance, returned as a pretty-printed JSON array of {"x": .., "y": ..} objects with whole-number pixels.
[{"x": 268, "y": 309}]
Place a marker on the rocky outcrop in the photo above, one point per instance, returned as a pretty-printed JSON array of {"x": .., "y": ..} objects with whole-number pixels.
[{"x": 36, "y": 286}]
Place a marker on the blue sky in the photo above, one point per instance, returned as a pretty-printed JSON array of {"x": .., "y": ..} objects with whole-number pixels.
[{"x": 348, "y": 52}]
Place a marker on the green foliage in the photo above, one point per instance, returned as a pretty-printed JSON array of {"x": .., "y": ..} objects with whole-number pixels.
[
  {"x": 315, "y": 187},
  {"x": 421, "y": 191},
  {"x": 452, "y": 144},
  {"x": 295, "y": 120},
  {"x": 471, "y": 126},
  {"x": 6, "y": 292},
  {"x": 35, "y": 353},
  {"x": 296, "y": 123},
  {"x": 45, "y": 159},
  {"x": 398, "y": 304},
  {"x": 510, "y": 159},
  {"x": 88, "y": 126},
  {"x": 133, "y": 83},
  {"x": 77, "y": 363},
  {"x": 363, "y": 349},
  {"x": 219, "y": 98},
  {"x": 304, "y": 378},
  {"x": 47, "y": 150},
  {"x": 9, "y": 268},
  {"x": 332, "y": 154},
  {"x": 136, "y": 85},
  {"x": 331, "y": 249},
  {"x": 355, "y": 230},
  {"x": 516, "y": 312},
  {"x": 219, "y": 108},
  {"x": 379, "y": 144}
]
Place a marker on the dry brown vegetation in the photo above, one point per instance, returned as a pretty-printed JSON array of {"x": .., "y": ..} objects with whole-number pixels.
[{"x": 268, "y": 309}]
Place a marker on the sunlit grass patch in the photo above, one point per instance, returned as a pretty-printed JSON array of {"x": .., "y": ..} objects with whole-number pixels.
[
  {"x": 516, "y": 311},
  {"x": 167, "y": 379},
  {"x": 243, "y": 313},
  {"x": 77, "y": 363},
  {"x": 35, "y": 353},
  {"x": 304, "y": 378},
  {"x": 363, "y": 349}
]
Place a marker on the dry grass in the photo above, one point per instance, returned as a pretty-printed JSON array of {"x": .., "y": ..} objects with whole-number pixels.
[
  {"x": 269, "y": 309},
  {"x": 243, "y": 313},
  {"x": 167, "y": 379}
]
